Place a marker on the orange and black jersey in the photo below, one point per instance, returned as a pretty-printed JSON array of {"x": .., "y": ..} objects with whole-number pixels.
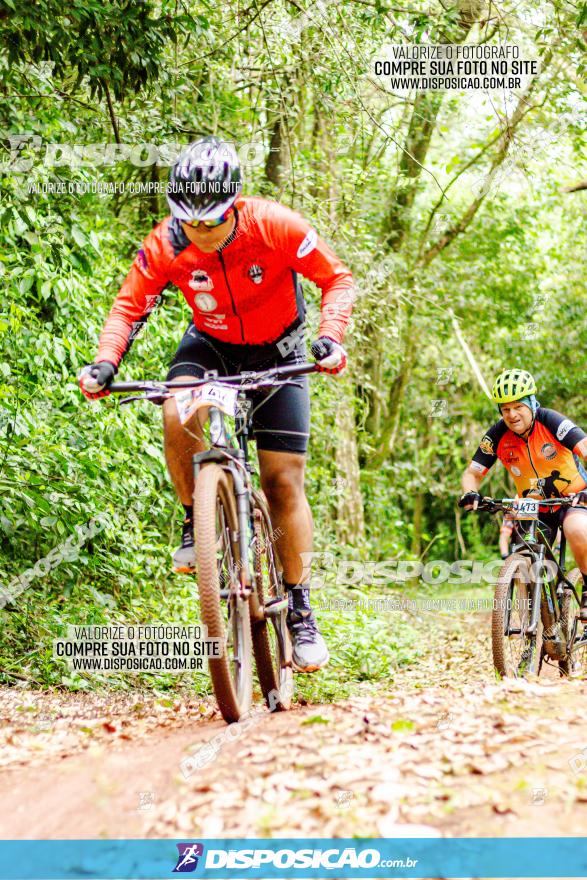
[
  {"x": 546, "y": 460},
  {"x": 245, "y": 293}
]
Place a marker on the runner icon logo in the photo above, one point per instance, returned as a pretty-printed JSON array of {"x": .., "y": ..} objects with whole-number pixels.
[{"x": 187, "y": 860}]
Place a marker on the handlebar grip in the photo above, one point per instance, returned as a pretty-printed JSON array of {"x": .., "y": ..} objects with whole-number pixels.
[
  {"x": 125, "y": 387},
  {"x": 297, "y": 369}
]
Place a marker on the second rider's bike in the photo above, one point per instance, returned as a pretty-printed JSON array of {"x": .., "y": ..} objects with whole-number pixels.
[{"x": 536, "y": 601}]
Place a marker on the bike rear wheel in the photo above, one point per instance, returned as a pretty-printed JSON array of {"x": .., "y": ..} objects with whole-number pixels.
[
  {"x": 515, "y": 655},
  {"x": 271, "y": 641},
  {"x": 575, "y": 663},
  {"x": 224, "y": 613}
]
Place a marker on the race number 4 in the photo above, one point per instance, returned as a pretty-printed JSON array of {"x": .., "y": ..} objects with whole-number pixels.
[{"x": 188, "y": 401}]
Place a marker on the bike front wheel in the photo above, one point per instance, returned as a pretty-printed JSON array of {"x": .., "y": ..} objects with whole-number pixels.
[
  {"x": 515, "y": 654},
  {"x": 225, "y": 614}
]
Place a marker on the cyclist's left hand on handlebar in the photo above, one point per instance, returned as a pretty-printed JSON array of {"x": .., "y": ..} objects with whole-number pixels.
[
  {"x": 330, "y": 355},
  {"x": 580, "y": 498},
  {"x": 470, "y": 500},
  {"x": 95, "y": 379}
]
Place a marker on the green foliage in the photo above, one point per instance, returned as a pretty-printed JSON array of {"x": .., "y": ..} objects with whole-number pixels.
[
  {"x": 296, "y": 84},
  {"x": 119, "y": 43}
]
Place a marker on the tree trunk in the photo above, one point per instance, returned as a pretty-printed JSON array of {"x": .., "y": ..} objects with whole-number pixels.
[
  {"x": 421, "y": 129},
  {"x": 417, "y": 524},
  {"x": 276, "y": 164},
  {"x": 350, "y": 524}
]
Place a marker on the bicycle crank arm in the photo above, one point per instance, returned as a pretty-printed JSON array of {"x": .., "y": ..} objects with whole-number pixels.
[
  {"x": 275, "y": 607},
  {"x": 265, "y": 612},
  {"x": 243, "y": 592},
  {"x": 284, "y": 648}
]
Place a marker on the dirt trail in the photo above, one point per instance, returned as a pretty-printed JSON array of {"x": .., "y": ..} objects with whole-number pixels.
[{"x": 465, "y": 756}]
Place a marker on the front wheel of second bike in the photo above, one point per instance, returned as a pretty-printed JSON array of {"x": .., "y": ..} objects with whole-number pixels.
[
  {"x": 515, "y": 653},
  {"x": 224, "y": 613}
]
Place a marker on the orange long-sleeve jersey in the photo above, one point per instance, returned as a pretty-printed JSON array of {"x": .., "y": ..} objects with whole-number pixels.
[{"x": 246, "y": 293}]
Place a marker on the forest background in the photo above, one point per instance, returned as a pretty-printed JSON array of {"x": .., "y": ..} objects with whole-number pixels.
[{"x": 461, "y": 215}]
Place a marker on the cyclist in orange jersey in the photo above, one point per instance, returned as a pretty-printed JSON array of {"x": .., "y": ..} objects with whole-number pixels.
[{"x": 543, "y": 451}]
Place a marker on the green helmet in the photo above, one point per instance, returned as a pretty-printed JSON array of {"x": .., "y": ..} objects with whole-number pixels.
[{"x": 513, "y": 385}]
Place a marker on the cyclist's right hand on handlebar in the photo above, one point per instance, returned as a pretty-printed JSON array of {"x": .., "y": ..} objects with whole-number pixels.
[
  {"x": 470, "y": 500},
  {"x": 330, "y": 355},
  {"x": 95, "y": 379}
]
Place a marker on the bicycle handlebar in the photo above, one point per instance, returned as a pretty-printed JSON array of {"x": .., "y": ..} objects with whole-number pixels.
[
  {"x": 249, "y": 379},
  {"x": 494, "y": 505}
]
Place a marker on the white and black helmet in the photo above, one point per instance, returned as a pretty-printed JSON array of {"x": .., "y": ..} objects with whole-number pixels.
[{"x": 205, "y": 180}]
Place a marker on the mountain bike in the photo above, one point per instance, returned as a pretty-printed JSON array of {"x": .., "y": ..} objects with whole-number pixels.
[
  {"x": 242, "y": 598},
  {"x": 536, "y": 603}
]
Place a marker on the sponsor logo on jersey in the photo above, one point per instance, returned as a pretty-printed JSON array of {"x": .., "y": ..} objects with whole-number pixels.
[
  {"x": 256, "y": 273},
  {"x": 308, "y": 244},
  {"x": 486, "y": 445},
  {"x": 141, "y": 260},
  {"x": 200, "y": 280},
  {"x": 548, "y": 450},
  {"x": 563, "y": 429},
  {"x": 205, "y": 302},
  {"x": 215, "y": 322}
]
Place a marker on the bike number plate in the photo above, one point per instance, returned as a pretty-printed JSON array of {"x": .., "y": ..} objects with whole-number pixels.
[
  {"x": 526, "y": 508},
  {"x": 190, "y": 400}
]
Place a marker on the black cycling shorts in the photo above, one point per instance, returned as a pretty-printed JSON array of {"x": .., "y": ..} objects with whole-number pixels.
[{"x": 281, "y": 416}]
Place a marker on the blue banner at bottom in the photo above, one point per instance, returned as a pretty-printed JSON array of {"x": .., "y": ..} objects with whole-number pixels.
[{"x": 293, "y": 857}]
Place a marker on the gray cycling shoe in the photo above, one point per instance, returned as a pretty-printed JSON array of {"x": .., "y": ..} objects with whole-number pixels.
[
  {"x": 309, "y": 648},
  {"x": 184, "y": 558}
]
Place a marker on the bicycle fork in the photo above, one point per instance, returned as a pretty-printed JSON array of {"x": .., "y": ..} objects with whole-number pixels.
[
  {"x": 243, "y": 514},
  {"x": 538, "y": 566}
]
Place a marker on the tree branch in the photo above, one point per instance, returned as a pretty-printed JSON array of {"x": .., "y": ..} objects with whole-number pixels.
[
  {"x": 230, "y": 38},
  {"x": 465, "y": 167},
  {"x": 575, "y": 188},
  {"x": 111, "y": 111},
  {"x": 522, "y": 109}
]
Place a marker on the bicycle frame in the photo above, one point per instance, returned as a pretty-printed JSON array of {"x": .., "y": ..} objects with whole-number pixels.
[{"x": 233, "y": 458}]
